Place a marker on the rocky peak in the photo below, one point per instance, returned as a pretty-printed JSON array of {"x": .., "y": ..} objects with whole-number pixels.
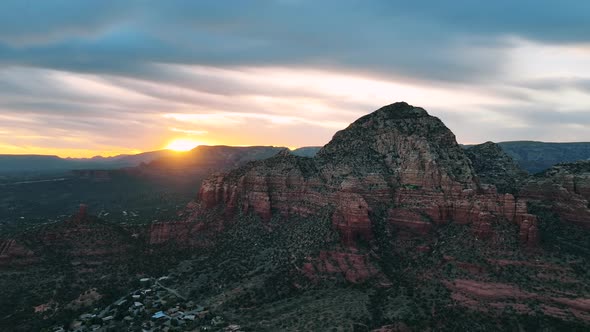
[
  {"x": 493, "y": 166},
  {"x": 398, "y": 110},
  {"x": 405, "y": 141},
  {"x": 283, "y": 153},
  {"x": 397, "y": 157}
]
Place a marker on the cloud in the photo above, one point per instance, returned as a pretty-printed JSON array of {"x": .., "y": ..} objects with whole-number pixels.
[
  {"x": 189, "y": 131},
  {"x": 451, "y": 41},
  {"x": 129, "y": 74}
]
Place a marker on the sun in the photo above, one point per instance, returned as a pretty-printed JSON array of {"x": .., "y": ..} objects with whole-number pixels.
[{"x": 183, "y": 144}]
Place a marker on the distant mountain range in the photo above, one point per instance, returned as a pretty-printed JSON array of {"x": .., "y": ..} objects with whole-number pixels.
[
  {"x": 44, "y": 163},
  {"x": 201, "y": 156},
  {"x": 535, "y": 157},
  {"x": 217, "y": 157},
  {"x": 539, "y": 156},
  {"x": 532, "y": 156}
]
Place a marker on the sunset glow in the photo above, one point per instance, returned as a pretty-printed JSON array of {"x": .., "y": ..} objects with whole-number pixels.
[
  {"x": 141, "y": 83},
  {"x": 183, "y": 145}
]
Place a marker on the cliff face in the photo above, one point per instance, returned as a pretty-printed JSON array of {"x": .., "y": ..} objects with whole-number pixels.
[
  {"x": 565, "y": 188},
  {"x": 398, "y": 158},
  {"x": 493, "y": 166}
]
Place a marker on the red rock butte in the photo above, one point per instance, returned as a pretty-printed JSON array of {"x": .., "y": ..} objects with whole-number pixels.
[{"x": 398, "y": 159}]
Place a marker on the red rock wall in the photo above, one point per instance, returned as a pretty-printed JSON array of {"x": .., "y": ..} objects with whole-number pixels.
[
  {"x": 418, "y": 209},
  {"x": 567, "y": 194},
  {"x": 398, "y": 157}
]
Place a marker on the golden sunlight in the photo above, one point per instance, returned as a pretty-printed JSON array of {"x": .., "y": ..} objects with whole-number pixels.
[{"x": 183, "y": 144}]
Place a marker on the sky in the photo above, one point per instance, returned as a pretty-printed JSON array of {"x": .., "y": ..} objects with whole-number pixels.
[{"x": 83, "y": 78}]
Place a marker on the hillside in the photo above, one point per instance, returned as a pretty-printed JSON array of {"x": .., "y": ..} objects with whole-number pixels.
[
  {"x": 539, "y": 156},
  {"x": 494, "y": 166},
  {"x": 307, "y": 151},
  {"x": 141, "y": 194},
  {"x": 52, "y": 164}
]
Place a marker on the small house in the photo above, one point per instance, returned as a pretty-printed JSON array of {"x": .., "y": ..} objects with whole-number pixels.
[{"x": 159, "y": 314}]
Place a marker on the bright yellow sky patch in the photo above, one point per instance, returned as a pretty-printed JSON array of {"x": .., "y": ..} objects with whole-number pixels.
[{"x": 183, "y": 144}]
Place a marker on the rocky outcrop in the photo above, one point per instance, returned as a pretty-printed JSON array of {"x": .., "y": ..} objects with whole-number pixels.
[
  {"x": 353, "y": 267},
  {"x": 13, "y": 253},
  {"x": 486, "y": 296},
  {"x": 82, "y": 214},
  {"x": 84, "y": 237},
  {"x": 398, "y": 158},
  {"x": 81, "y": 238},
  {"x": 493, "y": 166},
  {"x": 565, "y": 188},
  {"x": 180, "y": 234}
]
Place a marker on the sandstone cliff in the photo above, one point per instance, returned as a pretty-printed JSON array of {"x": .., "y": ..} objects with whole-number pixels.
[{"x": 398, "y": 157}]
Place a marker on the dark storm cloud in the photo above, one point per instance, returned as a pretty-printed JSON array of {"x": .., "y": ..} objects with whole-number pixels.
[
  {"x": 28, "y": 21},
  {"x": 458, "y": 40},
  {"x": 581, "y": 84}
]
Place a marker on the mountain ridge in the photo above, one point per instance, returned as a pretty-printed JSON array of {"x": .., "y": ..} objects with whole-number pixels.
[
  {"x": 533, "y": 156},
  {"x": 10, "y": 163},
  {"x": 406, "y": 160}
]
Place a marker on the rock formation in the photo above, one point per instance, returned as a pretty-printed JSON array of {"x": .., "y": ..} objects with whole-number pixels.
[
  {"x": 82, "y": 214},
  {"x": 352, "y": 267},
  {"x": 82, "y": 237},
  {"x": 14, "y": 253},
  {"x": 493, "y": 166},
  {"x": 565, "y": 188},
  {"x": 399, "y": 158}
]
